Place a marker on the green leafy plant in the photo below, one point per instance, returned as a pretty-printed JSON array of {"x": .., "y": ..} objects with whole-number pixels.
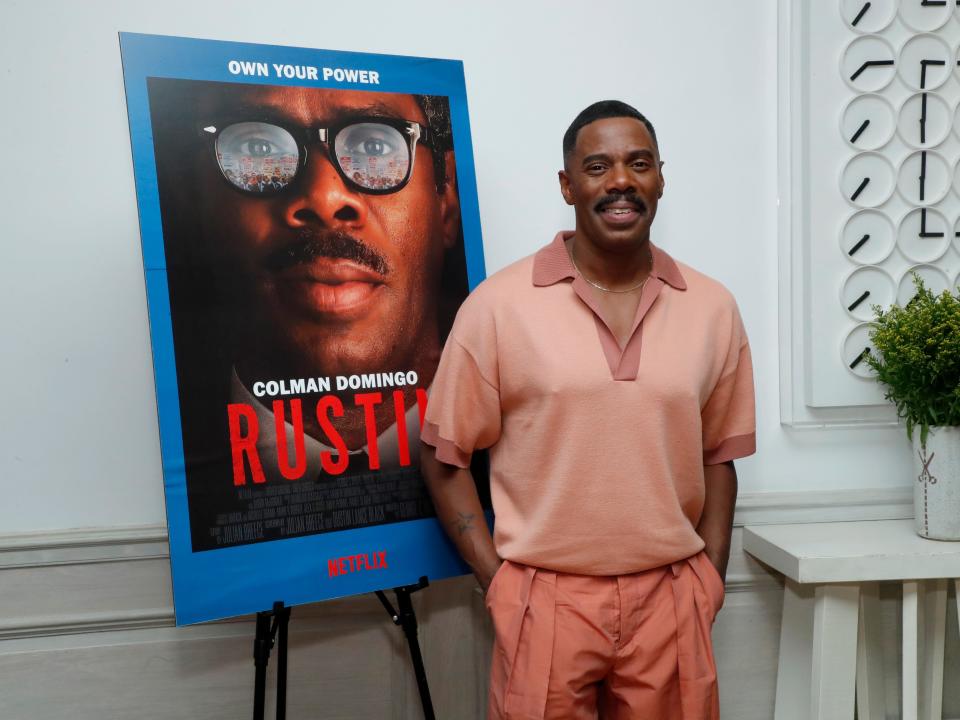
[{"x": 918, "y": 358}]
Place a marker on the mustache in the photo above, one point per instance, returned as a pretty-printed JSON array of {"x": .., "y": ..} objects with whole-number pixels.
[
  {"x": 629, "y": 197},
  {"x": 335, "y": 244}
]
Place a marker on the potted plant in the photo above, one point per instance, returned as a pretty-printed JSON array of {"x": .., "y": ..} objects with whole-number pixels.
[{"x": 917, "y": 360}]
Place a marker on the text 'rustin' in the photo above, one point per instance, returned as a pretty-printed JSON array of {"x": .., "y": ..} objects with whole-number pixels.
[{"x": 243, "y": 441}]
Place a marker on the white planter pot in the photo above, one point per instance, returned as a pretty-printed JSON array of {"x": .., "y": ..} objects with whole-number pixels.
[{"x": 936, "y": 487}]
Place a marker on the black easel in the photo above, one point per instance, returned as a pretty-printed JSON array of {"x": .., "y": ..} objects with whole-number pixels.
[
  {"x": 407, "y": 619},
  {"x": 271, "y": 625}
]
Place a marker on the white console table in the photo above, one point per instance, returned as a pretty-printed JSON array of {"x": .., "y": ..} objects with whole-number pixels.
[{"x": 833, "y": 571}]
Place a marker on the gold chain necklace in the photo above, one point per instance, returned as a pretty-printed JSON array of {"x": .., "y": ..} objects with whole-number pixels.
[{"x": 600, "y": 287}]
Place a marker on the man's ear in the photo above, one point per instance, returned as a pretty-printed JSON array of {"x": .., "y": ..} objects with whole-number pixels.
[
  {"x": 662, "y": 180},
  {"x": 565, "y": 186},
  {"x": 450, "y": 202}
]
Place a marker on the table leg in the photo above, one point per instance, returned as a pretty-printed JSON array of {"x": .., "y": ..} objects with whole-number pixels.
[
  {"x": 912, "y": 590},
  {"x": 933, "y": 623},
  {"x": 796, "y": 651},
  {"x": 816, "y": 677},
  {"x": 871, "y": 700},
  {"x": 833, "y": 680}
]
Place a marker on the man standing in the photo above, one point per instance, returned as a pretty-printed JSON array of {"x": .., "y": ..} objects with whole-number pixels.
[{"x": 613, "y": 387}]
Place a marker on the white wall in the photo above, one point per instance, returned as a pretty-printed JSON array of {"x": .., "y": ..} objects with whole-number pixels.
[{"x": 79, "y": 433}]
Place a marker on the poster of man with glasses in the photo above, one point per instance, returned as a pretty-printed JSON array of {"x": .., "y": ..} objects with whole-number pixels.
[{"x": 309, "y": 225}]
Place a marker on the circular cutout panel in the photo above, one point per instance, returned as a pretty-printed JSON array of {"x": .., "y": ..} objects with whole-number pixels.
[
  {"x": 934, "y": 279},
  {"x": 924, "y": 17},
  {"x": 854, "y": 349},
  {"x": 868, "y": 64},
  {"x": 868, "y": 180},
  {"x": 925, "y": 62},
  {"x": 868, "y": 122},
  {"x": 924, "y": 178},
  {"x": 867, "y": 237},
  {"x": 868, "y": 17},
  {"x": 923, "y": 235},
  {"x": 864, "y": 288},
  {"x": 924, "y": 120}
]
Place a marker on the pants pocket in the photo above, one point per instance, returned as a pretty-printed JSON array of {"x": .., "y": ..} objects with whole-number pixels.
[
  {"x": 710, "y": 579},
  {"x": 502, "y": 570},
  {"x": 523, "y": 610}
]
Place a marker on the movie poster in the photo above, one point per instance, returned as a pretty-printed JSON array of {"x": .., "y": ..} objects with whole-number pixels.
[{"x": 310, "y": 226}]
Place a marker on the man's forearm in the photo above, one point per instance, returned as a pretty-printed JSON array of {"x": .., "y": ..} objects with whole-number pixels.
[
  {"x": 716, "y": 522},
  {"x": 454, "y": 495}
]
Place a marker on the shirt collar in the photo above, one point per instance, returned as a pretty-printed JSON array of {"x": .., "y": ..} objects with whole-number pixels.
[{"x": 552, "y": 264}]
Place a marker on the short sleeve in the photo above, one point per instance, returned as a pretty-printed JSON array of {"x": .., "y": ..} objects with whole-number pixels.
[
  {"x": 729, "y": 416},
  {"x": 463, "y": 411}
]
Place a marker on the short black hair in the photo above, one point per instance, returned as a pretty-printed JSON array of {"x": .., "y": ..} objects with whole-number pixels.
[{"x": 601, "y": 111}]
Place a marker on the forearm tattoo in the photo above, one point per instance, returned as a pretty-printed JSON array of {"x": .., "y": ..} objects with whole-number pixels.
[{"x": 464, "y": 522}]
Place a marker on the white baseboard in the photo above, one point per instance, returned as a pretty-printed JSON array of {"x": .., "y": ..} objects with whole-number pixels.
[{"x": 83, "y": 546}]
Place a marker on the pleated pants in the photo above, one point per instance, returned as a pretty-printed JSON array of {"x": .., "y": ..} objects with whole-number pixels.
[{"x": 634, "y": 647}]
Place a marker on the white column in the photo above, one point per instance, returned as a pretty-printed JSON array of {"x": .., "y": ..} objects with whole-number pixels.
[
  {"x": 912, "y": 590},
  {"x": 871, "y": 701},
  {"x": 934, "y": 630},
  {"x": 956, "y": 586}
]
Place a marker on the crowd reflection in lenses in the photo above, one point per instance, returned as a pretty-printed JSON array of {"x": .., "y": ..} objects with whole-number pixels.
[{"x": 260, "y": 157}]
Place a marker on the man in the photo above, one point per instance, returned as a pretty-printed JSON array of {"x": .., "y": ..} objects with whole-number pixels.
[
  {"x": 613, "y": 387},
  {"x": 315, "y": 257}
]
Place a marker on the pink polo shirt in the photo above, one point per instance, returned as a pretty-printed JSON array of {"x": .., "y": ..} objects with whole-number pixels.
[{"x": 596, "y": 452}]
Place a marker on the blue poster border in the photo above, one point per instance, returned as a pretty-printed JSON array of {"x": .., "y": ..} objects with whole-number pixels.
[{"x": 225, "y": 582}]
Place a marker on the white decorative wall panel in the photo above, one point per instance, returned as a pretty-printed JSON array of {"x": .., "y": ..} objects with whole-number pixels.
[{"x": 871, "y": 187}]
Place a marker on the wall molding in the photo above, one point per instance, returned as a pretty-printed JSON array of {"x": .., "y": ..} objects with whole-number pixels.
[
  {"x": 824, "y": 506},
  {"x": 47, "y": 626},
  {"x": 54, "y": 562},
  {"x": 82, "y": 546},
  {"x": 143, "y": 542},
  {"x": 27, "y": 626}
]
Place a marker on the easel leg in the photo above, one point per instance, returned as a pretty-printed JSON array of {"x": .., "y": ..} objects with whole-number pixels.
[
  {"x": 406, "y": 618},
  {"x": 261, "y": 655},
  {"x": 410, "y": 630},
  {"x": 284, "y": 625},
  {"x": 263, "y": 641}
]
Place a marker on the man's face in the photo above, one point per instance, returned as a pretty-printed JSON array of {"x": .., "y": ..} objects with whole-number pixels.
[
  {"x": 326, "y": 278},
  {"x": 612, "y": 178}
]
